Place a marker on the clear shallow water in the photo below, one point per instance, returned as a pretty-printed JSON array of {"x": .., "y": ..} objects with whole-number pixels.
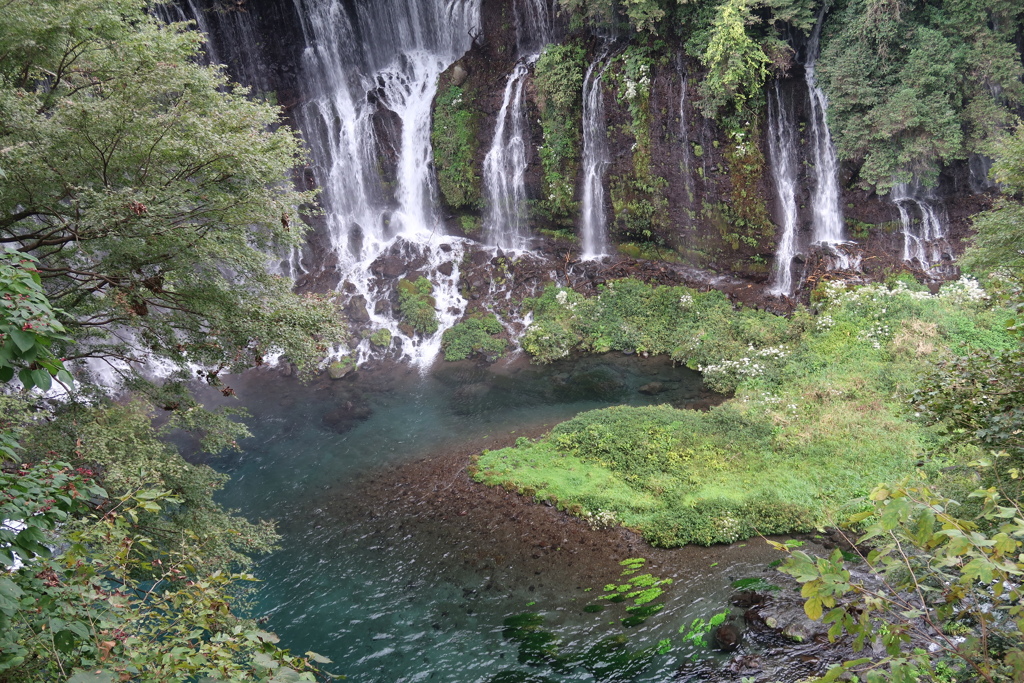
[{"x": 391, "y": 593}]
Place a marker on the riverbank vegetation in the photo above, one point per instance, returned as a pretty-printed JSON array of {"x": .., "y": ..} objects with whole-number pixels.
[
  {"x": 819, "y": 413},
  {"x": 142, "y": 197}
]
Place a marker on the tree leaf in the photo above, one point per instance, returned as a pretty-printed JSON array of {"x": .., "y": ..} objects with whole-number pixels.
[
  {"x": 41, "y": 379},
  {"x": 318, "y": 658},
  {"x": 24, "y": 340},
  {"x": 813, "y": 608}
]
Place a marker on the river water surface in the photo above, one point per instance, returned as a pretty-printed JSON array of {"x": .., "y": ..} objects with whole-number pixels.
[{"x": 399, "y": 569}]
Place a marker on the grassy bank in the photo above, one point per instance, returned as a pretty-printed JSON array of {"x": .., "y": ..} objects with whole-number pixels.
[{"x": 818, "y": 416}]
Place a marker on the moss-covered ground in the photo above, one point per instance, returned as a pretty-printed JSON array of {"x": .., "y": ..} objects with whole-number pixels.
[{"x": 818, "y": 413}]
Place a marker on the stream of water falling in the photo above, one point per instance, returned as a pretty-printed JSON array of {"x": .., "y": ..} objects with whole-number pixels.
[
  {"x": 922, "y": 221},
  {"x": 504, "y": 173},
  {"x": 505, "y": 169},
  {"x": 782, "y": 153},
  {"x": 596, "y": 157},
  {"x": 827, "y": 213},
  {"x": 684, "y": 138},
  {"x": 368, "y": 59}
]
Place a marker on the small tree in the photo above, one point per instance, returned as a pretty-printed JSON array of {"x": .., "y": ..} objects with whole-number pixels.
[{"x": 946, "y": 590}]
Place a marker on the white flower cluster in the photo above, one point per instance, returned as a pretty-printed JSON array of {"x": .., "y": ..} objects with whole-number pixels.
[
  {"x": 748, "y": 366},
  {"x": 769, "y": 351},
  {"x": 562, "y": 297},
  {"x": 824, "y": 323},
  {"x": 642, "y": 85},
  {"x": 602, "y": 519},
  {"x": 457, "y": 101},
  {"x": 729, "y": 528},
  {"x": 875, "y": 335},
  {"x": 873, "y": 293},
  {"x": 965, "y": 290},
  {"x": 685, "y": 300},
  {"x": 744, "y": 367}
]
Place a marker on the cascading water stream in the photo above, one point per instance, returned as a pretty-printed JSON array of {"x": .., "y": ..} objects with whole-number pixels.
[
  {"x": 684, "y": 139},
  {"x": 505, "y": 169},
  {"x": 534, "y": 25},
  {"x": 505, "y": 164},
  {"x": 782, "y": 157},
  {"x": 827, "y": 225},
  {"x": 593, "y": 221},
  {"x": 365, "y": 62},
  {"x": 922, "y": 222}
]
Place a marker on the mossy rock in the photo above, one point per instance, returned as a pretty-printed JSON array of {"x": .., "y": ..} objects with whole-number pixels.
[
  {"x": 381, "y": 338},
  {"x": 341, "y": 368}
]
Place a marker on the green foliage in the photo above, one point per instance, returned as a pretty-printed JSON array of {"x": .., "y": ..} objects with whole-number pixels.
[
  {"x": 149, "y": 190},
  {"x": 693, "y": 327},
  {"x": 638, "y": 200},
  {"x": 416, "y": 305},
  {"x": 910, "y": 85},
  {"x": 39, "y": 498},
  {"x": 104, "y": 611},
  {"x": 647, "y": 16},
  {"x": 996, "y": 246},
  {"x": 819, "y": 404},
  {"x": 558, "y": 76},
  {"x": 975, "y": 398},
  {"x": 381, "y": 338},
  {"x": 755, "y": 584},
  {"x": 697, "y": 632},
  {"x": 736, "y": 62},
  {"x": 473, "y": 335},
  {"x": 453, "y": 138},
  {"x": 747, "y": 216},
  {"x": 121, "y": 442},
  {"x": 28, "y": 325},
  {"x": 937, "y": 568}
]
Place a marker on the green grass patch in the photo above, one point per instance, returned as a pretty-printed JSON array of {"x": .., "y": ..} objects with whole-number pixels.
[{"x": 819, "y": 414}]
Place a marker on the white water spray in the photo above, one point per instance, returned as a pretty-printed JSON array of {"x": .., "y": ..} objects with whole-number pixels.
[
  {"x": 782, "y": 157},
  {"x": 593, "y": 220},
  {"x": 505, "y": 169},
  {"x": 827, "y": 225},
  {"x": 382, "y": 58}
]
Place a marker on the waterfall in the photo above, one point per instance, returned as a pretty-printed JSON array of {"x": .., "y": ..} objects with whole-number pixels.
[
  {"x": 979, "y": 166},
  {"x": 593, "y": 221},
  {"x": 534, "y": 25},
  {"x": 365, "y": 62},
  {"x": 505, "y": 169},
  {"x": 684, "y": 135},
  {"x": 172, "y": 12},
  {"x": 505, "y": 164},
  {"x": 922, "y": 221},
  {"x": 827, "y": 225},
  {"x": 782, "y": 158}
]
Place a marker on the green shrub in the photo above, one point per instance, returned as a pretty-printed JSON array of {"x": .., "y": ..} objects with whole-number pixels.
[
  {"x": 416, "y": 305},
  {"x": 453, "y": 136},
  {"x": 381, "y": 338},
  {"x": 558, "y": 76},
  {"x": 471, "y": 336}
]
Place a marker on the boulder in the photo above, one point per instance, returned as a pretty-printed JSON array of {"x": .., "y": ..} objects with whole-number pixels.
[
  {"x": 340, "y": 369},
  {"x": 459, "y": 74}
]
